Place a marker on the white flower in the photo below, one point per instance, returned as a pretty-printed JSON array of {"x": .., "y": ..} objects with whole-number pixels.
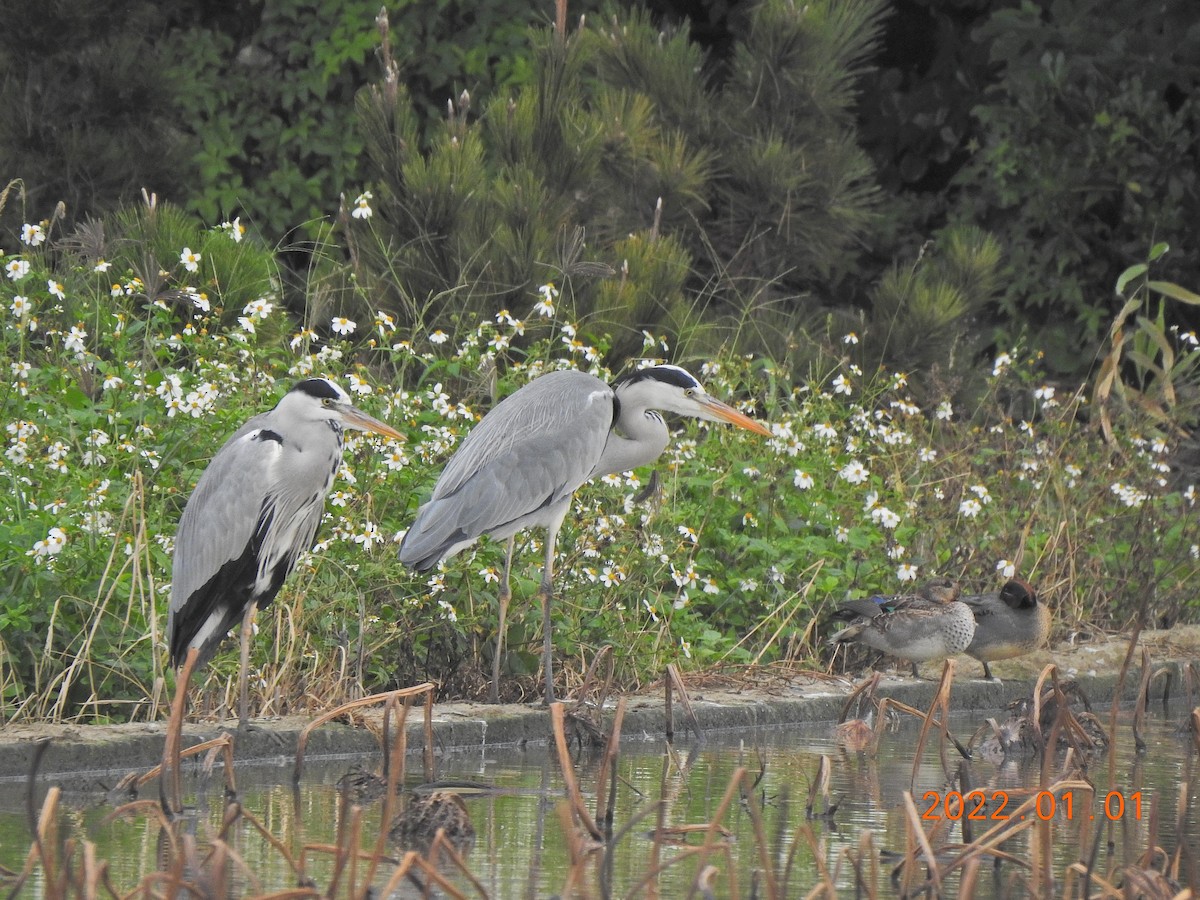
[
  {"x": 32, "y": 234},
  {"x": 342, "y": 325},
  {"x": 885, "y": 517},
  {"x": 944, "y": 410},
  {"x": 101, "y": 266},
  {"x": 841, "y": 534},
  {"x": 51, "y": 546},
  {"x": 689, "y": 534},
  {"x": 17, "y": 269},
  {"x": 906, "y": 572},
  {"x": 1003, "y": 361},
  {"x": 927, "y": 454},
  {"x": 1006, "y": 568},
  {"x": 802, "y": 480},
  {"x": 369, "y": 536},
  {"x": 970, "y": 508},
  {"x": 362, "y": 206},
  {"x": 74, "y": 339},
  {"x": 190, "y": 260},
  {"x": 825, "y": 431},
  {"x": 842, "y": 386},
  {"x": 850, "y": 338},
  {"x": 20, "y": 306},
  {"x": 235, "y": 229},
  {"x": 260, "y": 308},
  {"x": 854, "y": 472},
  {"x": 612, "y": 576},
  {"x": 545, "y": 306},
  {"x": 56, "y": 288},
  {"x": 438, "y": 336},
  {"x": 686, "y": 648}
]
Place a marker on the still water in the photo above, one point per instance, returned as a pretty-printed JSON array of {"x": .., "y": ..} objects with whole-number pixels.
[{"x": 522, "y": 849}]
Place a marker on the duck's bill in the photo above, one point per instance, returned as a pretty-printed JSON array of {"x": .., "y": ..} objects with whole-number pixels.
[
  {"x": 726, "y": 413},
  {"x": 356, "y": 418}
]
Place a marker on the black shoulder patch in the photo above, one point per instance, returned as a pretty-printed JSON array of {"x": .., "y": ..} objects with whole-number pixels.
[
  {"x": 321, "y": 388},
  {"x": 681, "y": 378},
  {"x": 266, "y": 434}
]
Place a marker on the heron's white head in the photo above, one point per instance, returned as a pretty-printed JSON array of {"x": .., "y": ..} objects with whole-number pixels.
[
  {"x": 673, "y": 389},
  {"x": 323, "y": 400}
]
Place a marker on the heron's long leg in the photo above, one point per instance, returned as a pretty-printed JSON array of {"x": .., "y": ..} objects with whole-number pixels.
[
  {"x": 244, "y": 676},
  {"x": 504, "y": 596},
  {"x": 547, "y": 592}
]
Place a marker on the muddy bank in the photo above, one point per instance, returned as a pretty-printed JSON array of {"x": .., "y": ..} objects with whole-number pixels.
[{"x": 83, "y": 751}]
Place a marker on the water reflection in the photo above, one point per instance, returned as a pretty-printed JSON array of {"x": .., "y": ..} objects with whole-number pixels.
[{"x": 522, "y": 841}]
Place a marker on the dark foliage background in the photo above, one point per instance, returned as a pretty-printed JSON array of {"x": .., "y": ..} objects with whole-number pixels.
[{"x": 1064, "y": 129}]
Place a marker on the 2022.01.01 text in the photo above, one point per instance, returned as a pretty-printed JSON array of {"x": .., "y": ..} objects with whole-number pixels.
[{"x": 979, "y": 806}]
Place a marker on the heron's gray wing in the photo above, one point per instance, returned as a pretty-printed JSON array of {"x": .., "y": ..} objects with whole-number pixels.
[
  {"x": 525, "y": 458},
  {"x": 223, "y": 511}
]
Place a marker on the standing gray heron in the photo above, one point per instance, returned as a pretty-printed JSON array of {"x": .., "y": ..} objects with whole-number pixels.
[
  {"x": 520, "y": 466},
  {"x": 254, "y": 511}
]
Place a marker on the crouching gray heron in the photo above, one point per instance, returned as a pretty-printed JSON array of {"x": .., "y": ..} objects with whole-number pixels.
[
  {"x": 254, "y": 511},
  {"x": 520, "y": 466}
]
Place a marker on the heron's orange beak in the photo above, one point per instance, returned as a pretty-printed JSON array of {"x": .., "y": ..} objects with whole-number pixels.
[
  {"x": 356, "y": 418},
  {"x": 726, "y": 413}
]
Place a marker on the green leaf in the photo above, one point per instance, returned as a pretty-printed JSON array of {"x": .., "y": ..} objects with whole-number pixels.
[
  {"x": 1174, "y": 291},
  {"x": 1128, "y": 275}
]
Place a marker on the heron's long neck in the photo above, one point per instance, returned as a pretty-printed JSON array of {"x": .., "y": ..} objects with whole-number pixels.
[{"x": 638, "y": 436}]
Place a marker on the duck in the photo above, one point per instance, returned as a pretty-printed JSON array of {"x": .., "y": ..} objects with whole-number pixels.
[
  {"x": 1011, "y": 622},
  {"x": 931, "y": 623}
]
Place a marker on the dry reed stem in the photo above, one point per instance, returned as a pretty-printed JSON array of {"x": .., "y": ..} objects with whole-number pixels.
[
  {"x": 826, "y": 883},
  {"x": 760, "y": 840},
  {"x": 706, "y": 848},
  {"x": 302, "y": 742},
  {"x": 606, "y": 794},
  {"x": 568, "y": 773},
  {"x": 941, "y": 700}
]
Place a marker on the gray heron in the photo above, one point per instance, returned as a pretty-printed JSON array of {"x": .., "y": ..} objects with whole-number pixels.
[
  {"x": 254, "y": 511},
  {"x": 520, "y": 466}
]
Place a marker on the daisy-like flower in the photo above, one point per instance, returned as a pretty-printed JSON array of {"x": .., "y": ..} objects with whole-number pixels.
[
  {"x": 190, "y": 260},
  {"x": 362, "y": 206},
  {"x": 368, "y": 537},
  {"x": 32, "y": 234},
  {"x": 73, "y": 340},
  {"x": 685, "y": 647},
  {"x": 612, "y": 576},
  {"x": 854, "y": 472},
  {"x": 689, "y": 534},
  {"x": 885, "y": 517},
  {"x": 101, "y": 266},
  {"x": 235, "y": 229},
  {"x": 437, "y": 336},
  {"x": 841, "y": 534},
  {"x": 448, "y": 610},
  {"x": 260, "y": 308},
  {"x": 841, "y": 385},
  {"x": 545, "y": 306},
  {"x": 51, "y": 546},
  {"x": 927, "y": 454},
  {"x": 970, "y": 508},
  {"x": 1006, "y": 568},
  {"x": 850, "y": 338},
  {"x": 906, "y": 572},
  {"x": 56, "y": 288},
  {"x": 945, "y": 411},
  {"x": 17, "y": 269},
  {"x": 20, "y": 306},
  {"x": 825, "y": 431},
  {"x": 1003, "y": 361},
  {"x": 1046, "y": 394},
  {"x": 343, "y": 326},
  {"x": 802, "y": 480}
]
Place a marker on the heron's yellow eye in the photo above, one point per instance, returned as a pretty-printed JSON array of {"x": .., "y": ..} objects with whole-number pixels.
[{"x": 327, "y": 401}]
